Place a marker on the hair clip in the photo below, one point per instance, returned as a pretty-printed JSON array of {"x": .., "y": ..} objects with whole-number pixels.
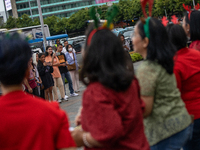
[
  {"x": 174, "y": 19},
  {"x": 164, "y": 21},
  {"x": 197, "y": 6}
]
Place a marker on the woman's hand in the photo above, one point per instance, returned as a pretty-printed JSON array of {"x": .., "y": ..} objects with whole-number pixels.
[
  {"x": 30, "y": 90},
  {"x": 45, "y": 64},
  {"x": 78, "y": 116},
  {"x": 77, "y": 135}
]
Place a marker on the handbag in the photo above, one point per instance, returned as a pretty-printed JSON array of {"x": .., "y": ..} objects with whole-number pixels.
[{"x": 72, "y": 66}]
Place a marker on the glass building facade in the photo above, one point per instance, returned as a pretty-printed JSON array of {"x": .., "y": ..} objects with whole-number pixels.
[{"x": 60, "y": 8}]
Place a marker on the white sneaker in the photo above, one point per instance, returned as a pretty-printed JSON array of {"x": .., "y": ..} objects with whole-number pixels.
[
  {"x": 74, "y": 94},
  {"x": 64, "y": 99},
  {"x": 59, "y": 101},
  {"x": 66, "y": 96}
]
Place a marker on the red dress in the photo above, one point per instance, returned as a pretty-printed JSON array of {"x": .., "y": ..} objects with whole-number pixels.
[
  {"x": 115, "y": 119},
  {"x": 195, "y": 45},
  {"x": 28, "y": 123},
  {"x": 187, "y": 72}
]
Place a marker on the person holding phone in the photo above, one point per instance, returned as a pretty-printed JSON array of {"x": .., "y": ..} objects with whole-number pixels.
[
  {"x": 52, "y": 58},
  {"x": 45, "y": 69}
]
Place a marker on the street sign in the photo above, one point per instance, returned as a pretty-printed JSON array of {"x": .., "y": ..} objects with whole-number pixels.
[{"x": 8, "y": 5}]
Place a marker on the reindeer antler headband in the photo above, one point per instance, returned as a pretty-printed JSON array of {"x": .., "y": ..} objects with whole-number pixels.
[
  {"x": 111, "y": 13},
  {"x": 146, "y": 23}
]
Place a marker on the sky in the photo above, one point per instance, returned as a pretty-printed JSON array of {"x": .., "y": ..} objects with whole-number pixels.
[{"x": 1, "y": 5}]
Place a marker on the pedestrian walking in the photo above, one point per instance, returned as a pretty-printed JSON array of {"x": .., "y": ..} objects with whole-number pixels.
[
  {"x": 51, "y": 57},
  {"x": 72, "y": 60},
  {"x": 167, "y": 122},
  {"x": 64, "y": 71}
]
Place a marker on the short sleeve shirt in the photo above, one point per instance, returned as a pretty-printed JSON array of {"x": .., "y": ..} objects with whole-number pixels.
[
  {"x": 62, "y": 59},
  {"x": 56, "y": 72},
  {"x": 169, "y": 115}
]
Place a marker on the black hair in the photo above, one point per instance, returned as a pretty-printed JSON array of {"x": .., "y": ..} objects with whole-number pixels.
[
  {"x": 160, "y": 48},
  {"x": 105, "y": 61},
  {"x": 65, "y": 41},
  {"x": 46, "y": 53},
  {"x": 15, "y": 54},
  {"x": 40, "y": 55},
  {"x": 195, "y": 25},
  {"x": 67, "y": 47},
  {"x": 121, "y": 35},
  {"x": 59, "y": 45},
  {"x": 186, "y": 17},
  {"x": 177, "y": 36}
]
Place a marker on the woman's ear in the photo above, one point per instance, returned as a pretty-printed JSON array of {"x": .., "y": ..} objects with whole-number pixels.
[{"x": 145, "y": 42}]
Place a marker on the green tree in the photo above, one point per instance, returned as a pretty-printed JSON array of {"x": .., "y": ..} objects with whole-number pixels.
[
  {"x": 24, "y": 21},
  {"x": 171, "y": 6},
  {"x": 51, "y": 22},
  {"x": 36, "y": 21},
  {"x": 11, "y": 23},
  {"x": 78, "y": 20}
]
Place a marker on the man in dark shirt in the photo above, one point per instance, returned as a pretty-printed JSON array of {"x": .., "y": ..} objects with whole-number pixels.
[{"x": 64, "y": 71}]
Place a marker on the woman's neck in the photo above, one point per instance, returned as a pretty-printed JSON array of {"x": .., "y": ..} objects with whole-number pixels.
[{"x": 12, "y": 88}]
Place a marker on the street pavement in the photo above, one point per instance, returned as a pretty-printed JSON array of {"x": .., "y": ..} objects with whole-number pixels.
[{"x": 72, "y": 106}]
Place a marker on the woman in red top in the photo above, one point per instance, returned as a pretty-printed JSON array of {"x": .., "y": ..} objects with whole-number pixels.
[
  {"x": 111, "y": 116},
  {"x": 191, "y": 26},
  {"x": 187, "y": 72},
  {"x": 27, "y": 123}
]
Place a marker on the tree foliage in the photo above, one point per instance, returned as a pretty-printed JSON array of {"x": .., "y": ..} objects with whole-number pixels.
[{"x": 128, "y": 10}]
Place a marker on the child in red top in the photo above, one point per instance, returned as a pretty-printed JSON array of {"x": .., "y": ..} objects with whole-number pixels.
[
  {"x": 187, "y": 72},
  {"x": 27, "y": 123},
  {"x": 112, "y": 116}
]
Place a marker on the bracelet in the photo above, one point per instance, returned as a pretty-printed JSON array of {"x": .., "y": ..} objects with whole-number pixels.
[{"x": 85, "y": 141}]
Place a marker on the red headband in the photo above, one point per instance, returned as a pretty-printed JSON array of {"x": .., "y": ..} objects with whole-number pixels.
[
  {"x": 197, "y": 6},
  {"x": 92, "y": 34},
  {"x": 188, "y": 9}
]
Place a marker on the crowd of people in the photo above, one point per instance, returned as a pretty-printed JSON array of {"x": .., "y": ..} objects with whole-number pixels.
[
  {"x": 155, "y": 108},
  {"x": 49, "y": 71}
]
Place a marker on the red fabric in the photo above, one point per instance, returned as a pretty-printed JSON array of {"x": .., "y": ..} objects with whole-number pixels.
[
  {"x": 187, "y": 72},
  {"x": 195, "y": 45},
  {"x": 28, "y": 123},
  {"x": 114, "y": 119}
]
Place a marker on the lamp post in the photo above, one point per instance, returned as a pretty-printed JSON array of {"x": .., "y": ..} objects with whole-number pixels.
[
  {"x": 30, "y": 9},
  {"x": 42, "y": 23}
]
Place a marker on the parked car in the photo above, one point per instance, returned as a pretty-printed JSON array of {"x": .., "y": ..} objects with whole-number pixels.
[{"x": 77, "y": 42}]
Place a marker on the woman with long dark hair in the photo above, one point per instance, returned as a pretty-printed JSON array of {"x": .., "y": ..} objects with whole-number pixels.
[
  {"x": 45, "y": 69},
  {"x": 191, "y": 26},
  {"x": 31, "y": 83},
  {"x": 187, "y": 71},
  {"x": 71, "y": 59},
  {"x": 167, "y": 122},
  {"x": 52, "y": 58},
  {"x": 111, "y": 116}
]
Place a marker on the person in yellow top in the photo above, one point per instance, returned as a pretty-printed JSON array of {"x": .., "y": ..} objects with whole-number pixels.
[
  {"x": 57, "y": 42},
  {"x": 51, "y": 57}
]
